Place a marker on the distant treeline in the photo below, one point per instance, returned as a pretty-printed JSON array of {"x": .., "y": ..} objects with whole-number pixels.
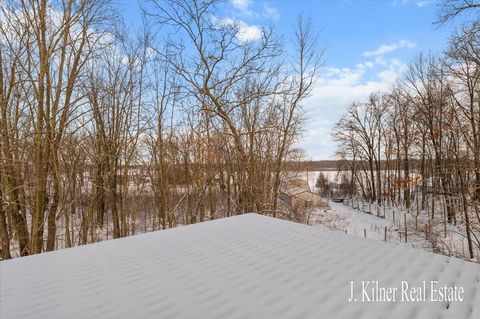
[{"x": 340, "y": 165}]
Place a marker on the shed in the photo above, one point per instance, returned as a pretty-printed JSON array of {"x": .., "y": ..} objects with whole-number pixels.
[{"x": 296, "y": 193}]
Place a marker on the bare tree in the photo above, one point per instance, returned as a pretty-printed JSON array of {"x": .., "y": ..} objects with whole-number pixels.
[{"x": 448, "y": 10}]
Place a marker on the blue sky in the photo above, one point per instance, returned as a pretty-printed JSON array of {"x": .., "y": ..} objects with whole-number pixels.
[{"x": 367, "y": 46}]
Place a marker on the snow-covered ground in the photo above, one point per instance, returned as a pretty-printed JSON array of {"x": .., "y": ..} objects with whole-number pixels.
[
  {"x": 447, "y": 239},
  {"x": 390, "y": 226},
  {"x": 247, "y": 266},
  {"x": 358, "y": 223}
]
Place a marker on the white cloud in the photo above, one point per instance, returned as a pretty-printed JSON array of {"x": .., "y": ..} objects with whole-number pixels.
[
  {"x": 245, "y": 8},
  {"x": 365, "y": 65},
  {"x": 242, "y": 5},
  {"x": 270, "y": 12},
  {"x": 335, "y": 89},
  {"x": 246, "y": 33},
  {"x": 387, "y": 48},
  {"x": 423, "y": 3},
  {"x": 418, "y": 3}
]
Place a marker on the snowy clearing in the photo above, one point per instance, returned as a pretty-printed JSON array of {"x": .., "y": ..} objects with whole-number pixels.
[{"x": 391, "y": 228}]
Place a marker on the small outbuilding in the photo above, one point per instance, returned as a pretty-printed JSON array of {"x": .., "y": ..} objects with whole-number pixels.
[{"x": 296, "y": 193}]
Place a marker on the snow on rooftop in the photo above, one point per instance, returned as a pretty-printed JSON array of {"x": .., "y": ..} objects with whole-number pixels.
[{"x": 247, "y": 266}]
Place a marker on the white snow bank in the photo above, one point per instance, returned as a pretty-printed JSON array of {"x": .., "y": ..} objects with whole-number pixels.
[{"x": 247, "y": 266}]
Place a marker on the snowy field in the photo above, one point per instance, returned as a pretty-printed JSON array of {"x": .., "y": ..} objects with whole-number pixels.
[
  {"x": 247, "y": 266},
  {"x": 351, "y": 218},
  {"x": 391, "y": 228},
  {"x": 355, "y": 222}
]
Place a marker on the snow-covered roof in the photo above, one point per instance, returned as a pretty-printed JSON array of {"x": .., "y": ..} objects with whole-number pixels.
[
  {"x": 292, "y": 191},
  {"x": 247, "y": 266}
]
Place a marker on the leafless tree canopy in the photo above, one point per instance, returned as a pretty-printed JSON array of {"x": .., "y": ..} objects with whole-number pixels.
[
  {"x": 418, "y": 145},
  {"x": 108, "y": 132},
  {"x": 449, "y": 10}
]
